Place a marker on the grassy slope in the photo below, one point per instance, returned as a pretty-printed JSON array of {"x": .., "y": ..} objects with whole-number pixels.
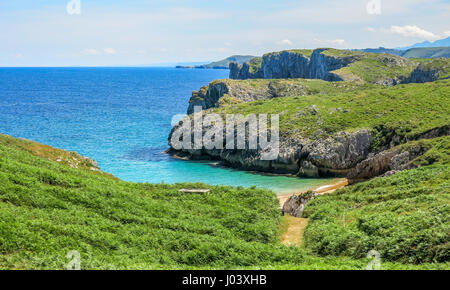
[
  {"x": 48, "y": 209},
  {"x": 408, "y": 109},
  {"x": 373, "y": 67},
  {"x": 427, "y": 52},
  {"x": 406, "y": 217},
  {"x": 226, "y": 62}
]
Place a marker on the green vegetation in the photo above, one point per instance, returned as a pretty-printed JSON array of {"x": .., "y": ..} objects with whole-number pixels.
[
  {"x": 406, "y": 217},
  {"x": 376, "y": 68},
  {"x": 427, "y": 52},
  {"x": 305, "y": 52},
  {"x": 440, "y": 65},
  {"x": 403, "y": 110},
  {"x": 255, "y": 64},
  {"x": 48, "y": 208},
  {"x": 437, "y": 151},
  {"x": 420, "y": 52},
  {"x": 224, "y": 63}
]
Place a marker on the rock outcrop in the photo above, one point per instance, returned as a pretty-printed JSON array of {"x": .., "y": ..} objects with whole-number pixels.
[
  {"x": 396, "y": 159},
  {"x": 387, "y": 161},
  {"x": 234, "y": 91},
  {"x": 295, "y": 205},
  {"x": 333, "y": 156},
  {"x": 424, "y": 74}
]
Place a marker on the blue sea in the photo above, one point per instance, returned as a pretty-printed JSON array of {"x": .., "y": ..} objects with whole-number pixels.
[{"x": 121, "y": 117}]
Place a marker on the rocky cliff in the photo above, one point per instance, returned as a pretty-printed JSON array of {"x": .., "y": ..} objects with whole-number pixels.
[
  {"x": 228, "y": 92},
  {"x": 293, "y": 64},
  {"x": 339, "y": 65},
  {"x": 333, "y": 156}
]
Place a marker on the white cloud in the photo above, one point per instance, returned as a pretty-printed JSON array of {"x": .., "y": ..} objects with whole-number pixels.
[
  {"x": 91, "y": 51},
  {"x": 447, "y": 34},
  {"x": 332, "y": 42},
  {"x": 338, "y": 41},
  {"x": 285, "y": 42},
  {"x": 18, "y": 55},
  {"x": 109, "y": 50},
  {"x": 371, "y": 29},
  {"x": 413, "y": 31}
]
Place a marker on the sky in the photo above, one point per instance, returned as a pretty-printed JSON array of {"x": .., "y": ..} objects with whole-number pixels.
[{"x": 149, "y": 32}]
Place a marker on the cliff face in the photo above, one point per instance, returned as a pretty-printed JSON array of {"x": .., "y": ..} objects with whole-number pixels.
[
  {"x": 293, "y": 64},
  {"x": 423, "y": 74},
  {"x": 233, "y": 91},
  {"x": 333, "y": 156}
]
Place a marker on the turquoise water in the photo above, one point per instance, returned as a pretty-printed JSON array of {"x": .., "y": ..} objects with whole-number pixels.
[{"x": 119, "y": 117}]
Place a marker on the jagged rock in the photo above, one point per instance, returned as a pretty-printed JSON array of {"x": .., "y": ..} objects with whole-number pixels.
[
  {"x": 423, "y": 74},
  {"x": 342, "y": 151},
  {"x": 295, "y": 205},
  {"x": 235, "y": 69},
  {"x": 387, "y": 162},
  {"x": 333, "y": 156}
]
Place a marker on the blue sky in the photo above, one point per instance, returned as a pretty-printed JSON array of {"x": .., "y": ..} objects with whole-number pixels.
[{"x": 144, "y": 32}]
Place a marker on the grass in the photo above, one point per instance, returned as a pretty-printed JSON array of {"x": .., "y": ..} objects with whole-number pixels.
[
  {"x": 437, "y": 151},
  {"x": 49, "y": 208},
  {"x": 255, "y": 64},
  {"x": 406, "y": 217},
  {"x": 373, "y": 68},
  {"x": 427, "y": 52}
]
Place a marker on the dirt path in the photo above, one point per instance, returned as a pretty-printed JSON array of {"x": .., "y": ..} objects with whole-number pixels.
[{"x": 295, "y": 227}]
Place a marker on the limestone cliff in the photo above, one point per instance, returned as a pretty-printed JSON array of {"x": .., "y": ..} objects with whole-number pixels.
[
  {"x": 339, "y": 65},
  {"x": 293, "y": 64},
  {"x": 228, "y": 92}
]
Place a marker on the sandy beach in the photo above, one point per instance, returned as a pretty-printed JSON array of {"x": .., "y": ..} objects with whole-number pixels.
[{"x": 325, "y": 189}]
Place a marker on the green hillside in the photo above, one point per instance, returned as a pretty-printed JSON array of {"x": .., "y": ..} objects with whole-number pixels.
[
  {"x": 48, "y": 208},
  {"x": 224, "y": 63},
  {"x": 419, "y": 52},
  {"x": 427, "y": 52},
  {"x": 406, "y": 217}
]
